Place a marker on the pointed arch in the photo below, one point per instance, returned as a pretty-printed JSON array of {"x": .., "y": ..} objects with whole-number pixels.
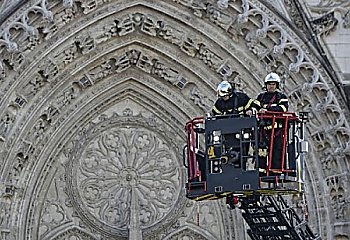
[{"x": 163, "y": 58}]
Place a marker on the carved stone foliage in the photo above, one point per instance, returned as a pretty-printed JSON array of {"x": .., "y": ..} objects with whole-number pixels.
[
  {"x": 124, "y": 174},
  {"x": 326, "y": 9},
  {"x": 323, "y": 25},
  {"x": 128, "y": 24}
]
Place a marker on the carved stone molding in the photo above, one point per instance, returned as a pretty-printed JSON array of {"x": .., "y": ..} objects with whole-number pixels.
[
  {"x": 79, "y": 77},
  {"x": 99, "y": 180},
  {"x": 324, "y": 8}
]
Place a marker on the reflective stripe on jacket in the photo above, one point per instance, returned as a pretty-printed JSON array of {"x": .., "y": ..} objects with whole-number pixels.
[
  {"x": 238, "y": 103},
  {"x": 279, "y": 103}
]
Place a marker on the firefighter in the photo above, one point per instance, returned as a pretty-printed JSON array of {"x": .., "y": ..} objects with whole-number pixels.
[
  {"x": 231, "y": 102},
  {"x": 271, "y": 100}
]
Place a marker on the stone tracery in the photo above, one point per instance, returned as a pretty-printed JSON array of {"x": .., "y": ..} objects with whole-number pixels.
[
  {"x": 113, "y": 162},
  {"x": 262, "y": 35}
]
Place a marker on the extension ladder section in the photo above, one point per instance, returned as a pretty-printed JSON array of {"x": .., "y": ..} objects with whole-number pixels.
[{"x": 271, "y": 218}]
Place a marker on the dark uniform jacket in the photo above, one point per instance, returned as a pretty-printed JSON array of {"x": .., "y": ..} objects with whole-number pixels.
[
  {"x": 238, "y": 103},
  {"x": 276, "y": 101}
]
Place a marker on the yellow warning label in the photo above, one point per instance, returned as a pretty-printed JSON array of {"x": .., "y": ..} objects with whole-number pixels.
[{"x": 211, "y": 152}]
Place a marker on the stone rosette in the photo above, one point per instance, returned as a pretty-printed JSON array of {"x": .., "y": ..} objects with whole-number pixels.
[{"x": 109, "y": 161}]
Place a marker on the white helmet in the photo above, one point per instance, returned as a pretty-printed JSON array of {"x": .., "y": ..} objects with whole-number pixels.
[
  {"x": 272, "y": 77},
  {"x": 224, "y": 89}
]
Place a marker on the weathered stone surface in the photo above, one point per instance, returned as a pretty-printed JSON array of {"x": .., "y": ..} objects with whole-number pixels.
[{"x": 95, "y": 94}]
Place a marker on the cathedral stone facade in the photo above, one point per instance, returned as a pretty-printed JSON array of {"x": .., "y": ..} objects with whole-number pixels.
[{"x": 95, "y": 94}]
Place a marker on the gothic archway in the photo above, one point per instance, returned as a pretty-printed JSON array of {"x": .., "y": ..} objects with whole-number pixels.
[{"x": 77, "y": 77}]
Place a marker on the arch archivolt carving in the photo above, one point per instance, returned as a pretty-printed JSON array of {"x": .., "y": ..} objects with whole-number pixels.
[{"x": 69, "y": 65}]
